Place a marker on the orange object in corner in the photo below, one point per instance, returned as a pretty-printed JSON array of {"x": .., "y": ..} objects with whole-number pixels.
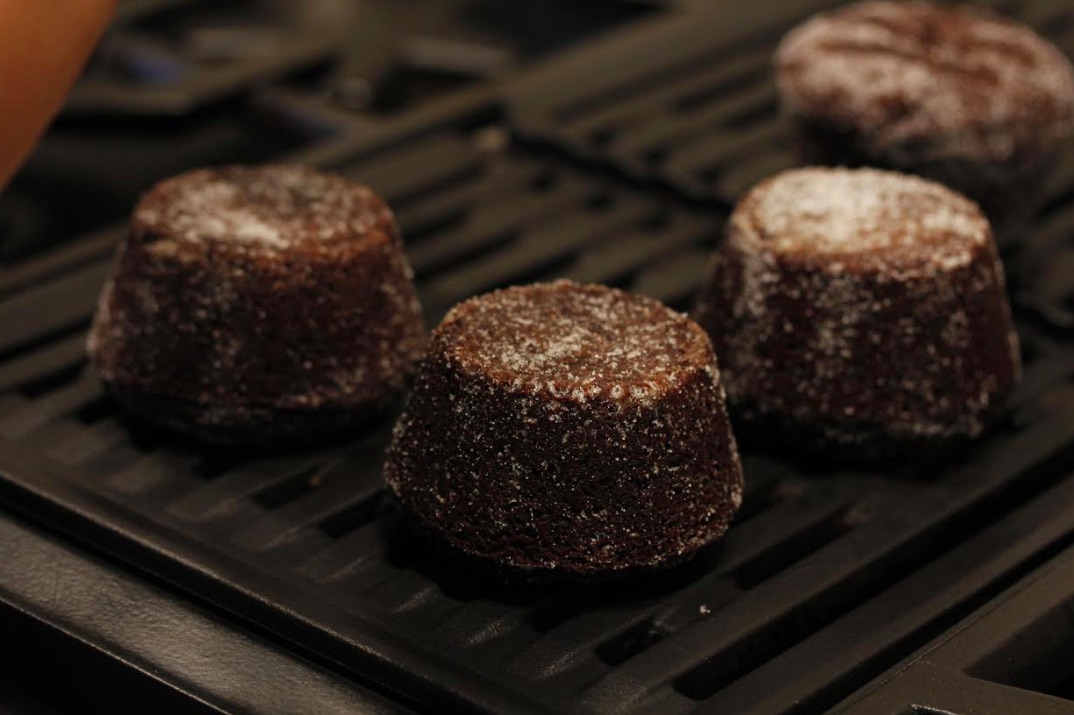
[{"x": 44, "y": 44}]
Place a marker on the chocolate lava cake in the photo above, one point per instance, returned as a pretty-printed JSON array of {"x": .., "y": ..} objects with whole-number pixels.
[
  {"x": 562, "y": 430},
  {"x": 258, "y": 304},
  {"x": 858, "y": 313},
  {"x": 955, "y": 94}
]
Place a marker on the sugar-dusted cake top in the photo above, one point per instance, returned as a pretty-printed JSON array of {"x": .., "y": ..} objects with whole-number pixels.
[
  {"x": 947, "y": 80},
  {"x": 274, "y": 207},
  {"x": 576, "y": 341},
  {"x": 861, "y": 218}
]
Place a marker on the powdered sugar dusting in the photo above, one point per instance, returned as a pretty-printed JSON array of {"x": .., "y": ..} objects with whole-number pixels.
[
  {"x": 863, "y": 306},
  {"x": 567, "y": 428},
  {"x": 967, "y": 82},
  {"x": 865, "y": 215},
  {"x": 250, "y": 312},
  {"x": 270, "y": 207},
  {"x": 578, "y": 342}
]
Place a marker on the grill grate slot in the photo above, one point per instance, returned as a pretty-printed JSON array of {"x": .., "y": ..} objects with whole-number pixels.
[
  {"x": 261, "y": 481},
  {"x": 1008, "y": 657},
  {"x": 337, "y": 507},
  {"x": 47, "y": 370},
  {"x": 348, "y": 555},
  {"x": 797, "y": 547}
]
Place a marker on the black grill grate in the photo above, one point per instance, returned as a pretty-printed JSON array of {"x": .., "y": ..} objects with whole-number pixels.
[
  {"x": 174, "y": 57},
  {"x": 178, "y": 84},
  {"x": 827, "y": 578},
  {"x": 696, "y": 113},
  {"x": 1013, "y": 657}
]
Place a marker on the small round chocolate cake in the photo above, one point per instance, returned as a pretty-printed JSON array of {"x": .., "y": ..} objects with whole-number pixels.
[
  {"x": 256, "y": 304},
  {"x": 859, "y": 312},
  {"x": 956, "y": 94},
  {"x": 566, "y": 430}
]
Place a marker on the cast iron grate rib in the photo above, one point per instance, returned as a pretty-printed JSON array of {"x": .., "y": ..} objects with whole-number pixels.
[
  {"x": 827, "y": 577},
  {"x": 172, "y": 57},
  {"x": 1010, "y": 657}
]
